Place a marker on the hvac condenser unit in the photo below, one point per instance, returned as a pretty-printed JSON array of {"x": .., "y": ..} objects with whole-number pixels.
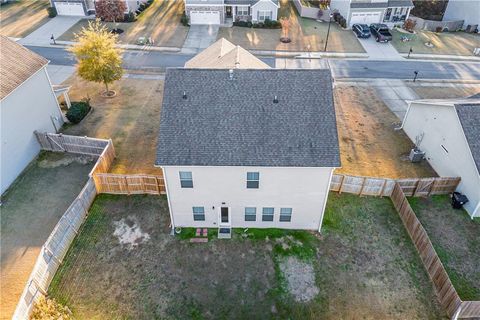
[{"x": 416, "y": 155}]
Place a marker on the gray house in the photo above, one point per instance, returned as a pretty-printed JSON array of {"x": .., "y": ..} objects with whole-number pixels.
[
  {"x": 86, "y": 7},
  {"x": 389, "y": 12},
  {"x": 469, "y": 11},
  {"x": 225, "y": 11}
]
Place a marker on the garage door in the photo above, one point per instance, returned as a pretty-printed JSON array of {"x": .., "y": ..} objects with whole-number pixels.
[
  {"x": 205, "y": 17},
  {"x": 69, "y": 9},
  {"x": 365, "y": 17}
]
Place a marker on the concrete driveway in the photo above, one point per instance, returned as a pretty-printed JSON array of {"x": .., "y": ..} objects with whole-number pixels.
[
  {"x": 56, "y": 26},
  {"x": 380, "y": 50},
  {"x": 199, "y": 37}
]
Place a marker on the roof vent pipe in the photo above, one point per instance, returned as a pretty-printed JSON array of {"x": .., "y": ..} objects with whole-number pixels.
[
  {"x": 184, "y": 96},
  {"x": 230, "y": 72},
  {"x": 275, "y": 99}
]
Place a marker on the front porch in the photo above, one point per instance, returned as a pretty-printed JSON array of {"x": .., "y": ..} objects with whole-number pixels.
[{"x": 396, "y": 15}]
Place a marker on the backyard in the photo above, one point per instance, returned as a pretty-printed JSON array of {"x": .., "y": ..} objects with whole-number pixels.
[
  {"x": 160, "y": 21},
  {"x": 363, "y": 265},
  {"x": 30, "y": 210},
  {"x": 450, "y": 43},
  {"x": 369, "y": 143},
  {"x": 306, "y": 35},
  {"x": 456, "y": 240},
  {"x": 19, "y": 18},
  {"x": 131, "y": 119}
]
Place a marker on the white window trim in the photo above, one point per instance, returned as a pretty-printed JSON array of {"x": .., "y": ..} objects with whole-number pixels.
[
  {"x": 242, "y": 10},
  {"x": 269, "y": 12}
]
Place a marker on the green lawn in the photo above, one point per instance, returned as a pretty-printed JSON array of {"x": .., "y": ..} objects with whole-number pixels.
[
  {"x": 363, "y": 265},
  {"x": 456, "y": 238},
  {"x": 160, "y": 21},
  {"x": 449, "y": 43}
]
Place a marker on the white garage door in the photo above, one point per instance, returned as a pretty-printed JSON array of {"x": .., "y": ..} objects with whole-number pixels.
[
  {"x": 205, "y": 17},
  {"x": 69, "y": 9},
  {"x": 365, "y": 17}
]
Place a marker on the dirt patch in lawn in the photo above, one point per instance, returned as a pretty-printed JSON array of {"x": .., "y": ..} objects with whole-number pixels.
[
  {"x": 456, "y": 240},
  {"x": 20, "y": 18},
  {"x": 29, "y": 212},
  {"x": 131, "y": 120},
  {"x": 129, "y": 233},
  {"x": 306, "y": 35},
  {"x": 369, "y": 143},
  {"x": 447, "y": 92},
  {"x": 300, "y": 278}
]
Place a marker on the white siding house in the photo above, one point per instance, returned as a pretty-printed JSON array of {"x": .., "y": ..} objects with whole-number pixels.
[
  {"x": 245, "y": 148},
  {"x": 469, "y": 11},
  {"x": 27, "y": 103},
  {"x": 450, "y": 136}
]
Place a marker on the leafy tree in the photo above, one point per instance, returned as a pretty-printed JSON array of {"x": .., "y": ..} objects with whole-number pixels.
[
  {"x": 110, "y": 10},
  {"x": 46, "y": 308},
  {"x": 98, "y": 59}
]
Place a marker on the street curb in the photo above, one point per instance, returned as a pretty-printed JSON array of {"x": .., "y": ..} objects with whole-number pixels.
[{"x": 419, "y": 81}]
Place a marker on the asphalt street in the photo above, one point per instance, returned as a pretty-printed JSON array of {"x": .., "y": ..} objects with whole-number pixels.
[{"x": 341, "y": 69}]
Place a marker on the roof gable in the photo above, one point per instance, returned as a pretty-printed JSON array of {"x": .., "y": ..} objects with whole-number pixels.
[
  {"x": 17, "y": 65},
  {"x": 235, "y": 122}
]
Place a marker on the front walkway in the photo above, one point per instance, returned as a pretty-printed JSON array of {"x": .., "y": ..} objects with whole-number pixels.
[
  {"x": 380, "y": 51},
  {"x": 56, "y": 27},
  {"x": 30, "y": 210},
  {"x": 200, "y": 37}
]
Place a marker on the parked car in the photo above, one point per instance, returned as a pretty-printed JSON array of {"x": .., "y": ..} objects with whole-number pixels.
[
  {"x": 361, "y": 30},
  {"x": 380, "y": 32}
]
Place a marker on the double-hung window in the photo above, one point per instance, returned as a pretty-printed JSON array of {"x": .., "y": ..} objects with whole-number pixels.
[
  {"x": 264, "y": 15},
  {"x": 186, "y": 180},
  {"x": 198, "y": 213},
  {"x": 250, "y": 214},
  {"x": 285, "y": 214},
  {"x": 242, "y": 11},
  {"x": 253, "y": 180},
  {"x": 267, "y": 214}
]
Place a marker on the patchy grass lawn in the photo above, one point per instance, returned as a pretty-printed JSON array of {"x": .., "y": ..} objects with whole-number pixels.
[
  {"x": 303, "y": 32},
  {"x": 131, "y": 120},
  {"x": 29, "y": 212},
  {"x": 19, "y": 18},
  {"x": 362, "y": 266},
  {"x": 456, "y": 239},
  {"x": 447, "y": 92},
  {"x": 161, "y": 21},
  {"x": 451, "y": 43},
  {"x": 369, "y": 145}
]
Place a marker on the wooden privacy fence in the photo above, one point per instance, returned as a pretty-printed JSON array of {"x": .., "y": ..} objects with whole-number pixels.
[
  {"x": 384, "y": 187},
  {"x": 447, "y": 295},
  {"x": 129, "y": 184},
  {"x": 54, "y": 250}
]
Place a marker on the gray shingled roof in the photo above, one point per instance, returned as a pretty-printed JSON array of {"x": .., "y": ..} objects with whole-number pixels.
[
  {"x": 389, "y": 4},
  {"x": 469, "y": 115},
  {"x": 400, "y": 3},
  {"x": 225, "y": 122},
  {"x": 245, "y": 2}
]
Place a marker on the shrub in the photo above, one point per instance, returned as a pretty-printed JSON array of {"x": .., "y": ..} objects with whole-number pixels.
[
  {"x": 184, "y": 20},
  {"x": 342, "y": 22},
  {"x": 149, "y": 2},
  {"x": 142, "y": 6},
  {"x": 52, "y": 12},
  {"x": 409, "y": 25},
  {"x": 130, "y": 17},
  {"x": 336, "y": 15},
  {"x": 46, "y": 308},
  {"x": 240, "y": 23},
  {"x": 438, "y": 29},
  {"x": 78, "y": 111}
]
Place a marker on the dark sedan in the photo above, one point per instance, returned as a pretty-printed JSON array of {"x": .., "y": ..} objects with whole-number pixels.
[{"x": 361, "y": 30}]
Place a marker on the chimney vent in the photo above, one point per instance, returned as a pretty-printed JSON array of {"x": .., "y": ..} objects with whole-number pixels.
[
  {"x": 184, "y": 96},
  {"x": 275, "y": 99},
  {"x": 230, "y": 72}
]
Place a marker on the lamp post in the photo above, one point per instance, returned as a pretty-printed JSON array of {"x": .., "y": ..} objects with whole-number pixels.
[{"x": 328, "y": 32}]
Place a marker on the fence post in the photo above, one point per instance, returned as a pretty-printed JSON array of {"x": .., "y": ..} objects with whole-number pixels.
[
  {"x": 363, "y": 186},
  {"x": 341, "y": 185},
  {"x": 383, "y": 187}
]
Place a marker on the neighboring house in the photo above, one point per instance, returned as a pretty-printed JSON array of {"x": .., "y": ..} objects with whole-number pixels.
[
  {"x": 390, "y": 12},
  {"x": 222, "y": 11},
  {"x": 27, "y": 103},
  {"x": 225, "y": 55},
  {"x": 469, "y": 11},
  {"x": 449, "y": 131},
  {"x": 248, "y": 148},
  {"x": 86, "y": 7}
]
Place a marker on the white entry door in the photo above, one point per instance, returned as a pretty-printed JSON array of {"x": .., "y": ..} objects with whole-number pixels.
[
  {"x": 69, "y": 9},
  {"x": 205, "y": 17},
  {"x": 365, "y": 17}
]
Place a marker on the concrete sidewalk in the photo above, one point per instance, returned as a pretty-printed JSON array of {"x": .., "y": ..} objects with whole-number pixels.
[
  {"x": 56, "y": 27},
  {"x": 59, "y": 74}
]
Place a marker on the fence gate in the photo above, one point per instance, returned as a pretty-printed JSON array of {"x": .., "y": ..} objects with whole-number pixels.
[{"x": 424, "y": 187}]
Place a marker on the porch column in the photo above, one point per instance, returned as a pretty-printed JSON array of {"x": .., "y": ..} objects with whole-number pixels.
[
  {"x": 67, "y": 99},
  {"x": 234, "y": 10},
  {"x": 408, "y": 13}
]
